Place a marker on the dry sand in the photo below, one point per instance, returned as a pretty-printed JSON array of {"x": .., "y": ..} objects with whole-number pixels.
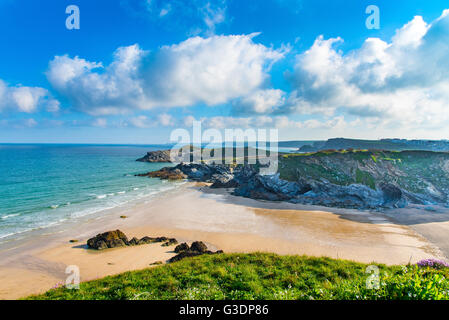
[{"x": 222, "y": 221}]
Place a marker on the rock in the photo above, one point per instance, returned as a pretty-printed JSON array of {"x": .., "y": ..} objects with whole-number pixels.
[
  {"x": 156, "y": 156},
  {"x": 223, "y": 181},
  {"x": 170, "y": 242},
  {"x": 134, "y": 242},
  {"x": 193, "y": 171},
  {"x": 182, "y": 247},
  {"x": 184, "y": 254},
  {"x": 165, "y": 174},
  {"x": 110, "y": 239},
  {"x": 391, "y": 193},
  {"x": 198, "y": 246},
  {"x": 113, "y": 239},
  {"x": 196, "y": 249},
  {"x": 147, "y": 240}
]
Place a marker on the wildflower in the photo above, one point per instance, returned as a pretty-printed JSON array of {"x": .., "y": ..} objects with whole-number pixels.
[{"x": 432, "y": 263}]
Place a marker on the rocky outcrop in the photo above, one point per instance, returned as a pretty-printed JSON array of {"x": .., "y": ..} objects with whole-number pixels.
[
  {"x": 115, "y": 239},
  {"x": 165, "y": 174},
  {"x": 196, "y": 249},
  {"x": 182, "y": 247},
  {"x": 110, "y": 239},
  {"x": 248, "y": 183},
  {"x": 347, "y": 179},
  {"x": 156, "y": 156},
  {"x": 194, "y": 172},
  {"x": 225, "y": 180}
]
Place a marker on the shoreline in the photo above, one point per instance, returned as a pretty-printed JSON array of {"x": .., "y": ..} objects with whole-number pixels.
[{"x": 224, "y": 222}]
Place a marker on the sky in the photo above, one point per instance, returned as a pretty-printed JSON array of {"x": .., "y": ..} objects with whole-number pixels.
[{"x": 136, "y": 70}]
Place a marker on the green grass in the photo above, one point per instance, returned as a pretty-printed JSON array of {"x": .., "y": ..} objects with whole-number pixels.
[
  {"x": 261, "y": 276},
  {"x": 365, "y": 178}
]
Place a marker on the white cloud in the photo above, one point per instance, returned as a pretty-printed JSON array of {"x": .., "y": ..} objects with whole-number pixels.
[
  {"x": 193, "y": 16},
  {"x": 100, "y": 122},
  {"x": 165, "y": 120},
  {"x": 21, "y": 98},
  {"x": 213, "y": 14},
  {"x": 261, "y": 101},
  {"x": 140, "y": 122},
  {"x": 162, "y": 120},
  {"x": 211, "y": 70},
  {"x": 402, "y": 83},
  {"x": 18, "y": 123},
  {"x": 97, "y": 90}
]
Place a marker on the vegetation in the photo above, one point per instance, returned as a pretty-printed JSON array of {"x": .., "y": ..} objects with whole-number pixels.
[
  {"x": 263, "y": 276},
  {"x": 414, "y": 171}
]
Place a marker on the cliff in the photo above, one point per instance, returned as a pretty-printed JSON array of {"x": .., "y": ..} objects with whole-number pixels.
[{"x": 351, "y": 179}]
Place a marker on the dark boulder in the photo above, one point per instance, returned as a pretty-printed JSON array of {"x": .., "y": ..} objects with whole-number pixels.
[
  {"x": 182, "y": 247},
  {"x": 110, "y": 239},
  {"x": 198, "y": 246},
  {"x": 392, "y": 195},
  {"x": 165, "y": 174},
  {"x": 391, "y": 192},
  {"x": 196, "y": 249},
  {"x": 146, "y": 240},
  {"x": 114, "y": 239},
  {"x": 184, "y": 254},
  {"x": 223, "y": 181},
  {"x": 170, "y": 242},
  {"x": 156, "y": 156},
  {"x": 134, "y": 242}
]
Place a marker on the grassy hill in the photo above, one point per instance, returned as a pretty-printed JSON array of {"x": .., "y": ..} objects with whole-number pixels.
[
  {"x": 421, "y": 172},
  {"x": 383, "y": 144},
  {"x": 262, "y": 276}
]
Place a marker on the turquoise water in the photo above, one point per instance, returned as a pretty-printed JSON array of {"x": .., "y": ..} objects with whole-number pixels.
[{"x": 45, "y": 185}]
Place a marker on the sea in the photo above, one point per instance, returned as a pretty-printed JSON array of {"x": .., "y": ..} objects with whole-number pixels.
[{"x": 44, "y": 185}]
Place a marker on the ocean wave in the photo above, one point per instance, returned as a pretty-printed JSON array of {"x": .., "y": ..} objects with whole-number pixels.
[
  {"x": 9, "y": 216},
  {"x": 94, "y": 207},
  {"x": 54, "y": 206}
]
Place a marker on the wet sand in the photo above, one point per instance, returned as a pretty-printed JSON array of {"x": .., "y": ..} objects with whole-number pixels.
[{"x": 222, "y": 221}]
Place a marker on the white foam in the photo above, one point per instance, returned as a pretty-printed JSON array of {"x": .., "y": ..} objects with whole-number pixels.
[{"x": 10, "y": 215}]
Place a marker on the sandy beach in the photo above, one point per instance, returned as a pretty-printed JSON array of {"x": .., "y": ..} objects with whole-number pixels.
[{"x": 233, "y": 224}]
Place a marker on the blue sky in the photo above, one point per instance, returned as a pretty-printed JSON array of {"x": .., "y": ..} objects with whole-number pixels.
[{"x": 137, "y": 69}]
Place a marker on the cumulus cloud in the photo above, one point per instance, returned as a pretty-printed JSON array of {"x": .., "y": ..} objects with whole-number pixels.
[
  {"x": 401, "y": 83},
  {"x": 99, "y": 90},
  {"x": 211, "y": 71},
  {"x": 260, "y": 101},
  {"x": 25, "y": 99}
]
